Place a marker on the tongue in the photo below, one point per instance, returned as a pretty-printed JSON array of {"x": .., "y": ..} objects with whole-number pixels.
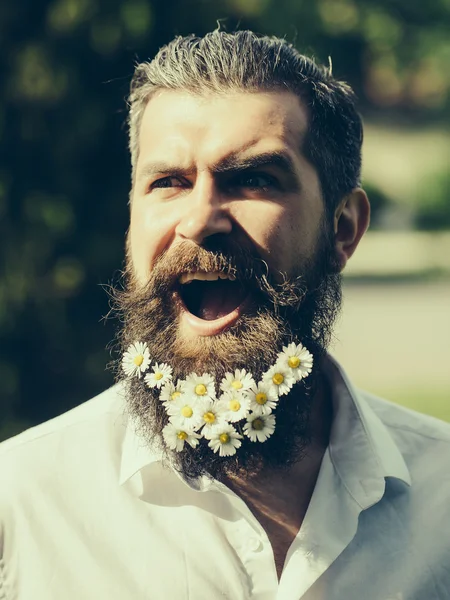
[{"x": 218, "y": 299}]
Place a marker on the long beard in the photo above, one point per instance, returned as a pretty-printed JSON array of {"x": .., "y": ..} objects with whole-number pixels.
[{"x": 301, "y": 308}]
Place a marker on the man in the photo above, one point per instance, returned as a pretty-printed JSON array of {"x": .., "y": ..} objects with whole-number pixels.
[{"x": 233, "y": 458}]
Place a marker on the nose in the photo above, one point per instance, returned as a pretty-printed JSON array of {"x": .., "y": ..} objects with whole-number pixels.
[{"x": 205, "y": 213}]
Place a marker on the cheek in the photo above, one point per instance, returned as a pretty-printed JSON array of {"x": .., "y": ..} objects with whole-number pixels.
[
  {"x": 284, "y": 236},
  {"x": 151, "y": 231},
  {"x": 267, "y": 226}
]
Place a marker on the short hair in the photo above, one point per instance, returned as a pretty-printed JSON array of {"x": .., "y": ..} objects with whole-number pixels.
[{"x": 221, "y": 62}]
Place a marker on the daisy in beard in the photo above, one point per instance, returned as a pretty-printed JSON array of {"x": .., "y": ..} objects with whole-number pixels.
[
  {"x": 263, "y": 398},
  {"x": 234, "y": 405},
  {"x": 186, "y": 411},
  {"x": 280, "y": 377},
  {"x": 175, "y": 437},
  {"x": 259, "y": 427},
  {"x": 201, "y": 387},
  {"x": 160, "y": 375},
  {"x": 241, "y": 381},
  {"x": 225, "y": 440},
  {"x": 297, "y": 359},
  {"x": 170, "y": 392},
  {"x": 136, "y": 359},
  {"x": 212, "y": 415}
]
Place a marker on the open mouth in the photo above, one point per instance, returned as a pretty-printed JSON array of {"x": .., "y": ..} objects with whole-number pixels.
[{"x": 211, "y": 296}]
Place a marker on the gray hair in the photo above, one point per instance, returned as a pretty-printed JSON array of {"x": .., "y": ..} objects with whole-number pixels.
[{"x": 221, "y": 62}]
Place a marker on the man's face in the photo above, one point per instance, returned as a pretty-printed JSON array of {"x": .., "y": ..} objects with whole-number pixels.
[
  {"x": 228, "y": 164},
  {"x": 221, "y": 187}
]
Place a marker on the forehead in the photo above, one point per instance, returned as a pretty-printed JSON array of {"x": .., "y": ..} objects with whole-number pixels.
[{"x": 205, "y": 128}]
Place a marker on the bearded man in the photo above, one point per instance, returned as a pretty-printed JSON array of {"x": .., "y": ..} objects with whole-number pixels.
[{"x": 233, "y": 458}]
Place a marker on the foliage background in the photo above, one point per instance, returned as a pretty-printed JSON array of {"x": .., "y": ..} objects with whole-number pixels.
[{"x": 65, "y": 67}]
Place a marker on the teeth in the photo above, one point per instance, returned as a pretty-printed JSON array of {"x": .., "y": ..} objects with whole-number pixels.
[{"x": 201, "y": 276}]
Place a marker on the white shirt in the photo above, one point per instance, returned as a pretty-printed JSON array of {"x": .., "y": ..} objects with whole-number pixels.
[{"x": 87, "y": 512}]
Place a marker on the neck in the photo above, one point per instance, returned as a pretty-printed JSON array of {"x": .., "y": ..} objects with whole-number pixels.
[{"x": 280, "y": 498}]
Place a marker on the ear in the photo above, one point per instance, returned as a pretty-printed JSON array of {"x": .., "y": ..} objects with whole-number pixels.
[{"x": 351, "y": 220}]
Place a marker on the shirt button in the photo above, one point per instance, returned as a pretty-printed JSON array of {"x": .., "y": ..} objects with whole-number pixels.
[{"x": 254, "y": 544}]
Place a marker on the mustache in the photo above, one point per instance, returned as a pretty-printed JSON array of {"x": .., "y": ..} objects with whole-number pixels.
[{"x": 222, "y": 254}]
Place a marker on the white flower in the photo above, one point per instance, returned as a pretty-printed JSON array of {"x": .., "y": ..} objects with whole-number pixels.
[
  {"x": 212, "y": 415},
  {"x": 136, "y": 359},
  {"x": 175, "y": 437},
  {"x": 241, "y": 381},
  {"x": 162, "y": 373},
  {"x": 170, "y": 392},
  {"x": 225, "y": 439},
  {"x": 263, "y": 398},
  {"x": 259, "y": 427},
  {"x": 234, "y": 405},
  {"x": 297, "y": 359},
  {"x": 200, "y": 386},
  {"x": 186, "y": 411},
  {"x": 280, "y": 377}
]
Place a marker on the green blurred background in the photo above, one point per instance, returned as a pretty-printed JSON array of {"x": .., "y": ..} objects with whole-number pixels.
[{"x": 65, "y": 67}]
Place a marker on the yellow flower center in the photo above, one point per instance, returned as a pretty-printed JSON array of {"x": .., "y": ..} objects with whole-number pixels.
[
  {"x": 224, "y": 438},
  {"x": 200, "y": 389},
  {"x": 293, "y": 362},
  {"x": 138, "y": 360},
  {"x": 181, "y": 435},
  {"x": 261, "y": 398},
  {"x": 234, "y": 405},
  {"x": 209, "y": 417},
  {"x": 237, "y": 385},
  {"x": 175, "y": 395},
  {"x": 159, "y": 375},
  {"x": 187, "y": 411},
  {"x": 258, "y": 424},
  {"x": 278, "y": 378}
]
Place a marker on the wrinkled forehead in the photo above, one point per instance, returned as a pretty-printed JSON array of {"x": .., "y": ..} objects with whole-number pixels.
[{"x": 203, "y": 128}]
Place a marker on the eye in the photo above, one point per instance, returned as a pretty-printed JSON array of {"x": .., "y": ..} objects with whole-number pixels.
[
  {"x": 256, "y": 181},
  {"x": 166, "y": 183}
]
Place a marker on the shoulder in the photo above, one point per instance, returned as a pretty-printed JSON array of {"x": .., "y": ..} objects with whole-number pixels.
[
  {"x": 408, "y": 422},
  {"x": 423, "y": 441},
  {"x": 63, "y": 441},
  {"x": 414, "y": 433},
  {"x": 80, "y": 417},
  {"x": 53, "y": 473}
]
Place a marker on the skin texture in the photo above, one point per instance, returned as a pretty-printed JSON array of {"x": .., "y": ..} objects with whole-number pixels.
[{"x": 190, "y": 184}]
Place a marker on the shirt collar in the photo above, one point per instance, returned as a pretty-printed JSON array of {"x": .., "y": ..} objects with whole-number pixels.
[
  {"x": 136, "y": 453},
  {"x": 361, "y": 448}
]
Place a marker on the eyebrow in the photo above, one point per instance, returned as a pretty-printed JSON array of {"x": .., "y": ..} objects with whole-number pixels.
[
  {"x": 229, "y": 164},
  {"x": 278, "y": 159}
]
